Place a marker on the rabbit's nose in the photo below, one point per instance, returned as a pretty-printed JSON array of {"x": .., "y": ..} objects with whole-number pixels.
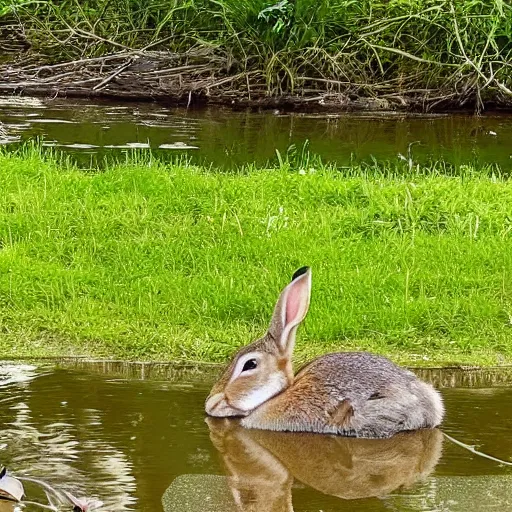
[{"x": 213, "y": 402}]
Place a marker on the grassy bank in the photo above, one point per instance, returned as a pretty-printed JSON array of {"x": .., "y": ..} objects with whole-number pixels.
[
  {"x": 431, "y": 51},
  {"x": 152, "y": 261}
]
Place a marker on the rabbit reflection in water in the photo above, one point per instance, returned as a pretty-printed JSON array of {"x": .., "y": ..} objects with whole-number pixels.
[
  {"x": 263, "y": 466},
  {"x": 353, "y": 393}
]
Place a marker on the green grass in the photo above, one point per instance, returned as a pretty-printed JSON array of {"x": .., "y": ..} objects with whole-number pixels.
[
  {"x": 155, "y": 261},
  {"x": 453, "y": 50}
]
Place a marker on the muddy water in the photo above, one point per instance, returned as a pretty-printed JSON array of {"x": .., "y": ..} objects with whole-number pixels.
[
  {"x": 90, "y": 132},
  {"x": 137, "y": 439}
]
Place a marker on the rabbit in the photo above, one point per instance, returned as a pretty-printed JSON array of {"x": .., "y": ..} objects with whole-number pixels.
[{"x": 347, "y": 393}]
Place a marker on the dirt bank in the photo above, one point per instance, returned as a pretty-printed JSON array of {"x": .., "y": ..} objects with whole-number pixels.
[{"x": 191, "y": 79}]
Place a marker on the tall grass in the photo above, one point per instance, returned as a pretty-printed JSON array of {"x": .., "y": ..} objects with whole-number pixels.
[
  {"x": 146, "y": 260},
  {"x": 460, "y": 50}
]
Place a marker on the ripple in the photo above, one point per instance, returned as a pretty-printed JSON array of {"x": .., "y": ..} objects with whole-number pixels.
[{"x": 16, "y": 373}]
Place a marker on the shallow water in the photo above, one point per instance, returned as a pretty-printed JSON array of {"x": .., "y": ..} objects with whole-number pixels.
[
  {"x": 135, "y": 437},
  {"x": 224, "y": 138}
]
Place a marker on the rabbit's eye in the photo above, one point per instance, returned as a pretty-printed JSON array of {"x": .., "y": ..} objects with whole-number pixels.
[{"x": 250, "y": 365}]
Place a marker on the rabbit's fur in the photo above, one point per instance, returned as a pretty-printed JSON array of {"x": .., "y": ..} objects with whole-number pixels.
[{"x": 353, "y": 393}]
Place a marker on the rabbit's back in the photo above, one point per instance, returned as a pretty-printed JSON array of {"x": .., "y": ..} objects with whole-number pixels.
[
  {"x": 353, "y": 393},
  {"x": 359, "y": 372}
]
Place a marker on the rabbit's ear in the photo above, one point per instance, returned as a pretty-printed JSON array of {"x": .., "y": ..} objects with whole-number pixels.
[{"x": 290, "y": 310}]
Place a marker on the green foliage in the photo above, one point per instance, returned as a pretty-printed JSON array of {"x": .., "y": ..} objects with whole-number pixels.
[
  {"x": 9, "y": 7},
  {"x": 152, "y": 261},
  {"x": 463, "y": 47}
]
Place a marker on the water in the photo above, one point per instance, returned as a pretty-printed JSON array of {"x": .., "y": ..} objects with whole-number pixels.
[
  {"x": 135, "y": 437},
  {"x": 225, "y": 138}
]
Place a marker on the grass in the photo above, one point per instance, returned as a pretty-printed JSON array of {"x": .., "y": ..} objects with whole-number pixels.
[
  {"x": 153, "y": 261},
  {"x": 440, "y": 49}
]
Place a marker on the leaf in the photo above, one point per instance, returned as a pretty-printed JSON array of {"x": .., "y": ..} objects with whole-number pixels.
[
  {"x": 83, "y": 504},
  {"x": 10, "y": 488},
  {"x": 280, "y": 7}
]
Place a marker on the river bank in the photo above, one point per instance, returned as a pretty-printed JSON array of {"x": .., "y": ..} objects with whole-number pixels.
[
  {"x": 303, "y": 55},
  {"x": 147, "y": 260}
]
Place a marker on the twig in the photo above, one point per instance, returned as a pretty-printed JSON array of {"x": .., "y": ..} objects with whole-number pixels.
[
  {"x": 99, "y": 38},
  {"x": 476, "y": 452},
  {"x": 412, "y": 57},
  {"x": 503, "y": 88},
  {"x": 390, "y": 21},
  {"x": 323, "y": 80},
  {"x": 122, "y": 55},
  {"x": 177, "y": 70},
  {"x": 227, "y": 80},
  {"x": 118, "y": 71}
]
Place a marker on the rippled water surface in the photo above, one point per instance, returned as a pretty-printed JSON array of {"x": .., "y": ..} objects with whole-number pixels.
[
  {"x": 225, "y": 138},
  {"x": 136, "y": 438}
]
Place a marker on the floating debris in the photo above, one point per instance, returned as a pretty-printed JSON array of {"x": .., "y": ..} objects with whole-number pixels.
[{"x": 10, "y": 488}]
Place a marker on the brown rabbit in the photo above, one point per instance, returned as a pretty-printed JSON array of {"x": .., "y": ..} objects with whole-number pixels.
[{"x": 352, "y": 393}]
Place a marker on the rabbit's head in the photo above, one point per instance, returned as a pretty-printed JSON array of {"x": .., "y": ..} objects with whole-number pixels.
[{"x": 263, "y": 369}]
